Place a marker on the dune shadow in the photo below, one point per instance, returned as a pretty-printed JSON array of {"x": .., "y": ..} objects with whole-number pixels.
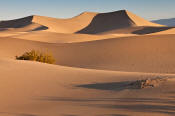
[
  {"x": 3, "y": 29},
  {"x": 27, "y": 115},
  {"x": 17, "y": 23},
  {"x": 127, "y": 100},
  {"x": 101, "y": 22},
  {"x": 144, "y": 108},
  {"x": 118, "y": 20},
  {"x": 40, "y": 28},
  {"x": 98, "y": 115},
  {"x": 114, "y": 115},
  {"x": 69, "y": 115},
  {"x": 148, "y": 30},
  {"x": 144, "y": 105},
  {"x": 18, "y": 114},
  {"x": 117, "y": 86}
]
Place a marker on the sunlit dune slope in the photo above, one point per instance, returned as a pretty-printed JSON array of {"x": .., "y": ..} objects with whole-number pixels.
[
  {"x": 87, "y": 22},
  {"x": 139, "y": 53},
  {"x": 103, "y": 22},
  {"x": 52, "y": 37}
]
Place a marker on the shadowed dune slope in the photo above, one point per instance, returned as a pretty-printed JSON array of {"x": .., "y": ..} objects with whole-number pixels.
[
  {"x": 139, "y": 54},
  {"x": 70, "y": 25},
  {"x": 17, "y": 23},
  {"x": 140, "y": 30},
  {"x": 87, "y": 22},
  {"x": 115, "y": 72},
  {"x": 23, "y": 24},
  {"x": 103, "y": 22},
  {"x": 169, "y": 31}
]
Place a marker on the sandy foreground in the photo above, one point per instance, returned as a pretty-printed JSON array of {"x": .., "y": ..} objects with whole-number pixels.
[
  {"x": 100, "y": 59},
  {"x": 36, "y": 89}
]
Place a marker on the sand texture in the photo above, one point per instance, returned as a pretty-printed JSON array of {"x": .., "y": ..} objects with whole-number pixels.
[{"x": 107, "y": 64}]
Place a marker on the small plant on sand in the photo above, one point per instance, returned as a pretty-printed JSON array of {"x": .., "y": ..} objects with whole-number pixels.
[{"x": 34, "y": 55}]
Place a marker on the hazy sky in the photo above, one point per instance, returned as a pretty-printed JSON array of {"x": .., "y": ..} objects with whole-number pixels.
[{"x": 149, "y": 9}]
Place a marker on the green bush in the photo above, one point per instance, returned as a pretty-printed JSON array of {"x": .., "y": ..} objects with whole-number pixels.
[{"x": 34, "y": 55}]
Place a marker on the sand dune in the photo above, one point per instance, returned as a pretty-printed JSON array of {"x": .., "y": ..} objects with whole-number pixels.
[
  {"x": 138, "y": 54},
  {"x": 25, "y": 24},
  {"x": 107, "y": 64},
  {"x": 140, "y": 30},
  {"x": 52, "y": 37},
  {"x": 53, "y": 90},
  {"x": 53, "y": 24},
  {"x": 6, "y": 32},
  {"x": 87, "y": 22},
  {"x": 115, "y": 20},
  {"x": 169, "y": 22}
]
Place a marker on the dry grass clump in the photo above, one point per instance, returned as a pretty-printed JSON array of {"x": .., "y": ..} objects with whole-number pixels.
[
  {"x": 34, "y": 55},
  {"x": 148, "y": 83}
]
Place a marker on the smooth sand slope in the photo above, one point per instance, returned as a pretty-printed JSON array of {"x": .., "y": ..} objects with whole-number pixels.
[
  {"x": 52, "y": 37},
  {"x": 52, "y": 24},
  {"x": 139, "y": 54},
  {"x": 36, "y": 89},
  {"x": 54, "y": 30},
  {"x": 87, "y": 22},
  {"x": 115, "y": 20},
  {"x": 23, "y": 23},
  {"x": 99, "y": 59}
]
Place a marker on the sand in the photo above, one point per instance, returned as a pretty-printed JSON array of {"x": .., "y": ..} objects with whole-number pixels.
[
  {"x": 136, "y": 53},
  {"x": 52, "y": 37},
  {"x": 107, "y": 64},
  {"x": 39, "y": 89}
]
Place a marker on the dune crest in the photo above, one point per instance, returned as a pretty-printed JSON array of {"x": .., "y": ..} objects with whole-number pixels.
[
  {"x": 139, "y": 21},
  {"x": 106, "y": 65},
  {"x": 103, "y": 22},
  {"x": 86, "y": 22}
]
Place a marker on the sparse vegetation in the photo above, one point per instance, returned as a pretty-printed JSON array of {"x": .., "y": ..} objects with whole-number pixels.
[
  {"x": 34, "y": 55},
  {"x": 147, "y": 83}
]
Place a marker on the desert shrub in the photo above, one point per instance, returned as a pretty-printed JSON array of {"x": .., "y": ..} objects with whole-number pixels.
[{"x": 34, "y": 55}]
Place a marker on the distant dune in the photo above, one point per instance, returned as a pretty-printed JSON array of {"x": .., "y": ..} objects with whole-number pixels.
[
  {"x": 103, "y": 22},
  {"x": 56, "y": 25},
  {"x": 169, "y": 22},
  {"x": 136, "y": 53},
  {"x": 52, "y": 37},
  {"x": 107, "y": 64},
  {"x": 87, "y": 22}
]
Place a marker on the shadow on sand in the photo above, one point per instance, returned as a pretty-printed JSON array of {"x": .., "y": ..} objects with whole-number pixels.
[
  {"x": 116, "y": 86},
  {"x": 145, "y": 105},
  {"x": 17, "y": 114},
  {"x": 148, "y": 30}
]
